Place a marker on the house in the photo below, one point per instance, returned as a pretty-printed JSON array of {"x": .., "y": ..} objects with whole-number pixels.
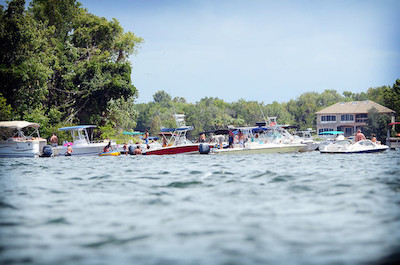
[{"x": 348, "y": 116}]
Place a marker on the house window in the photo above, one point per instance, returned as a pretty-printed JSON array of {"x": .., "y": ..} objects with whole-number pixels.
[
  {"x": 361, "y": 117},
  {"x": 328, "y": 118},
  {"x": 325, "y": 130},
  {"x": 347, "y": 117}
]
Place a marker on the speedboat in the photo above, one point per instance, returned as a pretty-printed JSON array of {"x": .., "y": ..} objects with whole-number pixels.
[
  {"x": 174, "y": 140},
  {"x": 262, "y": 140},
  {"x": 348, "y": 147},
  {"x": 81, "y": 143},
  {"x": 330, "y": 137},
  {"x": 21, "y": 139}
]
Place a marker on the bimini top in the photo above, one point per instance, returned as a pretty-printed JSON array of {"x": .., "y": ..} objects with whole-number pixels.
[
  {"x": 132, "y": 133},
  {"x": 79, "y": 127},
  {"x": 18, "y": 124},
  {"x": 186, "y": 128},
  {"x": 331, "y": 132}
]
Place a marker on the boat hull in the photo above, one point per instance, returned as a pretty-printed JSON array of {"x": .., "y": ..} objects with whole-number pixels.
[
  {"x": 31, "y": 148},
  {"x": 86, "y": 150},
  {"x": 355, "y": 151},
  {"x": 260, "y": 150},
  {"x": 174, "y": 150}
]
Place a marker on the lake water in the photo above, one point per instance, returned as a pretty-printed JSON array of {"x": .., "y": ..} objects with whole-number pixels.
[{"x": 308, "y": 208}]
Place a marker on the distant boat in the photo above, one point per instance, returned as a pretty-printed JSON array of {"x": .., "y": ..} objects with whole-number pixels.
[
  {"x": 21, "y": 139},
  {"x": 174, "y": 140},
  {"x": 347, "y": 147},
  {"x": 263, "y": 139},
  {"x": 81, "y": 145}
]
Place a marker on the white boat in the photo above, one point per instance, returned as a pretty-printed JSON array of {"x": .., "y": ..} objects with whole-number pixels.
[
  {"x": 21, "y": 139},
  {"x": 263, "y": 140},
  {"x": 260, "y": 148},
  {"x": 81, "y": 143},
  {"x": 305, "y": 137},
  {"x": 348, "y": 147}
]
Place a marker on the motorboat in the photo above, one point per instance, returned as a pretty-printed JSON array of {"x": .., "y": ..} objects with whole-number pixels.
[
  {"x": 330, "y": 137},
  {"x": 262, "y": 139},
  {"x": 21, "y": 139},
  {"x": 348, "y": 147},
  {"x": 305, "y": 137},
  {"x": 174, "y": 140},
  {"x": 81, "y": 143}
]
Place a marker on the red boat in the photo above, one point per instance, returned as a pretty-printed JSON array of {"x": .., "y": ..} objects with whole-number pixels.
[{"x": 175, "y": 141}]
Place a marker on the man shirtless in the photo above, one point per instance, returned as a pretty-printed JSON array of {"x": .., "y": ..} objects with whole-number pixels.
[{"x": 359, "y": 136}]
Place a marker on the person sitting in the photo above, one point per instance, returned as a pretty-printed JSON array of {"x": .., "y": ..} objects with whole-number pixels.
[
  {"x": 373, "y": 138},
  {"x": 107, "y": 148},
  {"x": 202, "y": 138},
  {"x": 137, "y": 151},
  {"x": 359, "y": 136}
]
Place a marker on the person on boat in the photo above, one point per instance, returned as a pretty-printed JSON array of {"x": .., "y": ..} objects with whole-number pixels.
[
  {"x": 373, "y": 138},
  {"x": 137, "y": 151},
  {"x": 359, "y": 136},
  {"x": 231, "y": 138},
  {"x": 164, "y": 141},
  {"x": 202, "y": 138},
  {"x": 241, "y": 138},
  {"x": 69, "y": 150},
  {"x": 146, "y": 137},
  {"x": 125, "y": 148},
  {"x": 54, "y": 140},
  {"x": 107, "y": 148}
]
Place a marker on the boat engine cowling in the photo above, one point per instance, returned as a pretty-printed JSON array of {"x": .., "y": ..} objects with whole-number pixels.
[
  {"x": 131, "y": 150},
  {"x": 47, "y": 151},
  {"x": 204, "y": 148}
]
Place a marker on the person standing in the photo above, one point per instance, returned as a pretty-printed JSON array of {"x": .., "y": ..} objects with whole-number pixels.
[
  {"x": 54, "y": 140},
  {"x": 146, "y": 137},
  {"x": 359, "y": 136},
  {"x": 231, "y": 137}
]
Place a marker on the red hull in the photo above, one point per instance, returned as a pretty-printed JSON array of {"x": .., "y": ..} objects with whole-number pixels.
[{"x": 173, "y": 150}]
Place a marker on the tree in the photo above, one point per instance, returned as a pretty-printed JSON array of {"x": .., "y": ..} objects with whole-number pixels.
[{"x": 377, "y": 124}]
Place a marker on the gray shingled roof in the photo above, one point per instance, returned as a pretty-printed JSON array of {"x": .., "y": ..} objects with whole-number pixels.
[{"x": 354, "y": 107}]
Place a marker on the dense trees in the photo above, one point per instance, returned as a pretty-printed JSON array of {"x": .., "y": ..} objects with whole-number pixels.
[{"x": 61, "y": 65}]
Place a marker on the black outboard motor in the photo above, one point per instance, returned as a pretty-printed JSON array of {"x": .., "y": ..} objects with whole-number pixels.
[
  {"x": 47, "y": 151},
  {"x": 204, "y": 149},
  {"x": 131, "y": 150}
]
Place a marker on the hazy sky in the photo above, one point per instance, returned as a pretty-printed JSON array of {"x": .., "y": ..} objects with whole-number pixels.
[{"x": 258, "y": 50}]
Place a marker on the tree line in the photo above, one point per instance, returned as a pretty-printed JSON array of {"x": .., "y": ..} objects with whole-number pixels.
[{"x": 61, "y": 65}]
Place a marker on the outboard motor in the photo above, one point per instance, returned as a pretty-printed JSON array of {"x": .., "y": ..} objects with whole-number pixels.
[
  {"x": 131, "y": 150},
  {"x": 47, "y": 151},
  {"x": 204, "y": 149}
]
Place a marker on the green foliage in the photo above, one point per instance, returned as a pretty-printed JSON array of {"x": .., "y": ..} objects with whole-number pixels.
[
  {"x": 5, "y": 109},
  {"x": 59, "y": 58},
  {"x": 377, "y": 124}
]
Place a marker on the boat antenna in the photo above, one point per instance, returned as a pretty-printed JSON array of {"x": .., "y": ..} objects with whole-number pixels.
[{"x": 262, "y": 113}]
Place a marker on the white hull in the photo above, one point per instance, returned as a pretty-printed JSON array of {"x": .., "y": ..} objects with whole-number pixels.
[
  {"x": 345, "y": 147},
  {"x": 28, "y": 148},
  {"x": 81, "y": 150},
  {"x": 261, "y": 149}
]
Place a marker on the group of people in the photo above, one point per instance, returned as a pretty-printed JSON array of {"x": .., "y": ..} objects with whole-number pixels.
[{"x": 360, "y": 136}]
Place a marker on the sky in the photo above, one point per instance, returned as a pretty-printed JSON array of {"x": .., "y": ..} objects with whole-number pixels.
[{"x": 258, "y": 49}]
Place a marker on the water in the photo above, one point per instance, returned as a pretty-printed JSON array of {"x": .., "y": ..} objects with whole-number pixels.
[{"x": 306, "y": 208}]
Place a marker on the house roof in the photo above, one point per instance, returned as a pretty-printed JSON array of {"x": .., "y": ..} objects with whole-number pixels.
[{"x": 354, "y": 107}]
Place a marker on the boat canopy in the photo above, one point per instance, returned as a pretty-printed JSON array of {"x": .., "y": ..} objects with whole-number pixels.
[
  {"x": 132, "y": 133},
  {"x": 79, "y": 127},
  {"x": 393, "y": 123},
  {"x": 186, "y": 128},
  {"x": 18, "y": 124},
  {"x": 331, "y": 132}
]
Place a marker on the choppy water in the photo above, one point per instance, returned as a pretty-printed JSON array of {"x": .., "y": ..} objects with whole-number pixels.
[{"x": 258, "y": 209}]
